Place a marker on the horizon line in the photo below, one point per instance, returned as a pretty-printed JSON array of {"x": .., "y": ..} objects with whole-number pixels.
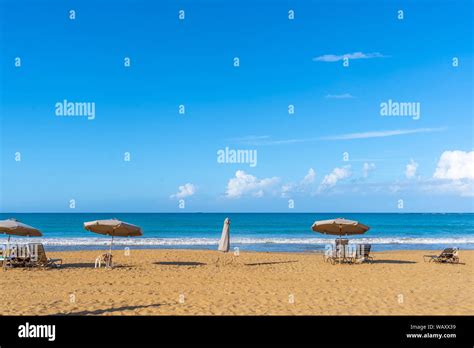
[{"x": 242, "y": 212}]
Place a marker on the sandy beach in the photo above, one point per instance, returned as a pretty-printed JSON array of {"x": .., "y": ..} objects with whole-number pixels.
[{"x": 191, "y": 282}]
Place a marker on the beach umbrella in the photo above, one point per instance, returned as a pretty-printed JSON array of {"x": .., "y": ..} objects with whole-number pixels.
[
  {"x": 339, "y": 227},
  {"x": 113, "y": 228},
  {"x": 224, "y": 243},
  {"x": 17, "y": 228}
]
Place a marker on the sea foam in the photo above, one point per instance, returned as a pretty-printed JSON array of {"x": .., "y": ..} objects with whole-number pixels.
[{"x": 238, "y": 240}]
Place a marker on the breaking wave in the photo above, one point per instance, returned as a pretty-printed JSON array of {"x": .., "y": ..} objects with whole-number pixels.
[{"x": 241, "y": 240}]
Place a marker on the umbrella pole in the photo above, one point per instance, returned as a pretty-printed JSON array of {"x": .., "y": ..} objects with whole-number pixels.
[
  {"x": 343, "y": 246},
  {"x": 110, "y": 251},
  {"x": 7, "y": 253},
  {"x": 111, "y": 243}
]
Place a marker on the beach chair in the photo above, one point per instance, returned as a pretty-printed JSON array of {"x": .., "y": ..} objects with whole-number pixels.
[
  {"x": 328, "y": 253},
  {"x": 448, "y": 255},
  {"x": 4, "y": 259},
  {"x": 106, "y": 259},
  {"x": 38, "y": 257},
  {"x": 363, "y": 253},
  {"x": 333, "y": 256},
  {"x": 338, "y": 253},
  {"x": 11, "y": 257},
  {"x": 341, "y": 250},
  {"x": 22, "y": 256}
]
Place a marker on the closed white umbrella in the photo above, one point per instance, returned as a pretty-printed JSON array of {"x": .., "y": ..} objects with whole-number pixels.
[
  {"x": 17, "y": 228},
  {"x": 224, "y": 243},
  {"x": 114, "y": 228}
]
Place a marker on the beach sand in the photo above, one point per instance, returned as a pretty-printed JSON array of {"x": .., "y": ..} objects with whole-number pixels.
[{"x": 189, "y": 282}]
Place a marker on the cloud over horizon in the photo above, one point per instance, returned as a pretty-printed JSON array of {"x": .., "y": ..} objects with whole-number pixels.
[
  {"x": 411, "y": 168},
  {"x": 330, "y": 180},
  {"x": 366, "y": 168},
  {"x": 455, "y": 165},
  {"x": 247, "y": 184},
  {"x": 304, "y": 186},
  {"x": 184, "y": 191}
]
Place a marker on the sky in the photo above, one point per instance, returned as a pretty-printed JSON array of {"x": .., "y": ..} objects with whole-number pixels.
[{"x": 337, "y": 152}]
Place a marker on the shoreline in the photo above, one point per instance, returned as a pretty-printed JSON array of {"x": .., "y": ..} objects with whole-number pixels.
[
  {"x": 214, "y": 250},
  {"x": 262, "y": 248},
  {"x": 205, "y": 282}
]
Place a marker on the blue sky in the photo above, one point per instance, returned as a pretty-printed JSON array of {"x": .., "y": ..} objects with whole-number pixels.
[{"x": 428, "y": 162}]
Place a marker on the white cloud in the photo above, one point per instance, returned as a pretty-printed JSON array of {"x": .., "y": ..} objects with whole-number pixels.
[
  {"x": 339, "y": 96},
  {"x": 356, "y": 55},
  {"x": 337, "y": 174},
  {"x": 286, "y": 189},
  {"x": 310, "y": 177},
  {"x": 411, "y": 168},
  {"x": 184, "y": 191},
  {"x": 463, "y": 188},
  {"x": 394, "y": 188},
  {"x": 367, "y": 167},
  {"x": 267, "y": 141},
  {"x": 454, "y": 175},
  {"x": 455, "y": 165},
  {"x": 244, "y": 184},
  {"x": 304, "y": 186},
  {"x": 381, "y": 134}
]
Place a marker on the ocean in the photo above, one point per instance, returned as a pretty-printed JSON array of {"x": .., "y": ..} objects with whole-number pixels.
[{"x": 277, "y": 232}]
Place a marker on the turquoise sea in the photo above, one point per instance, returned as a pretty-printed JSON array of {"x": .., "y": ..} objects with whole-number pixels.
[{"x": 252, "y": 231}]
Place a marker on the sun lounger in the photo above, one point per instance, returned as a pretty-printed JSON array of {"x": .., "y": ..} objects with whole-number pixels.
[
  {"x": 15, "y": 256},
  {"x": 3, "y": 257},
  {"x": 448, "y": 255},
  {"x": 341, "y": 249},
  {"x": 38, "y": 257},
  {"x": 5, "y": 261},
  {"x": 338, "y": 253},
  {"x": 329, "y": 255},
  {"x": 362, "y": 253},
  {"x": 22, "y": 256}
]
